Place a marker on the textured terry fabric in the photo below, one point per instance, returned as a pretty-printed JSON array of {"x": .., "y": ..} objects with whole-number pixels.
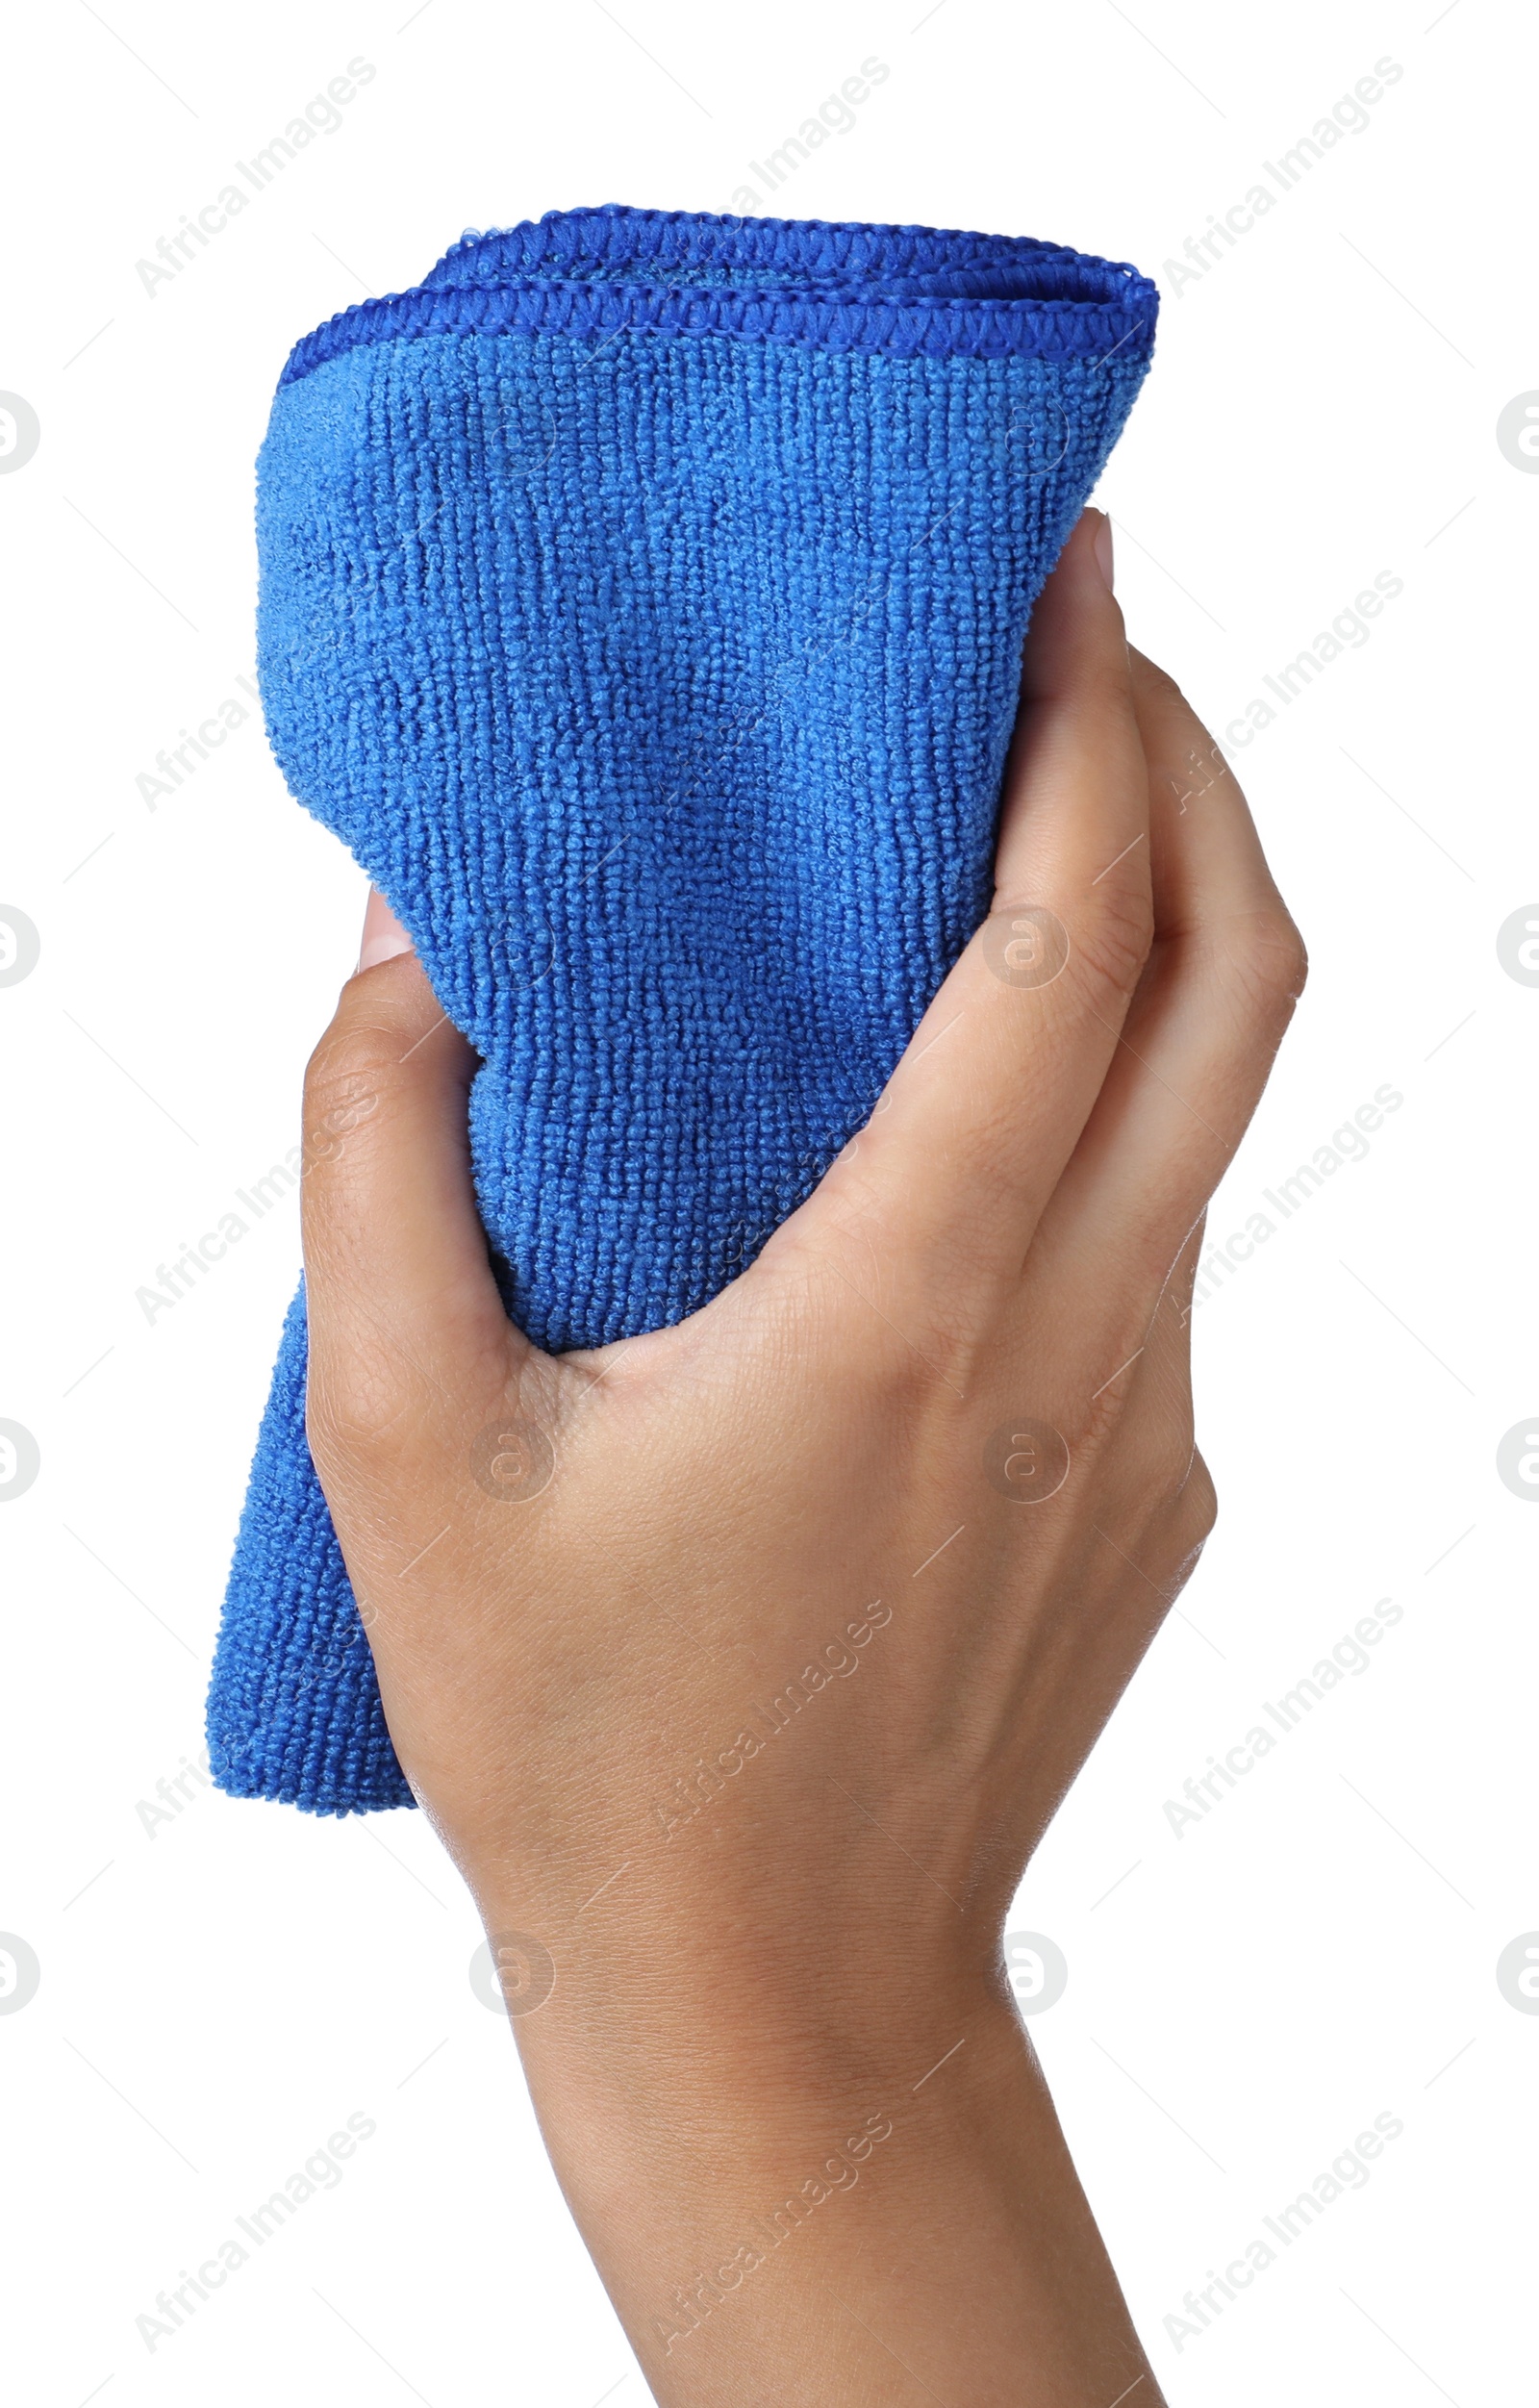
[{"x": 642, "y": 600}]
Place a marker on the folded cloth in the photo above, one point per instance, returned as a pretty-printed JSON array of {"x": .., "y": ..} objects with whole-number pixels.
[{"x": 642, "y": 600}]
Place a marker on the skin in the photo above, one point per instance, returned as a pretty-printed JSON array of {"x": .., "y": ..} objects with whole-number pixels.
[{"x": 791, "y": 1989}]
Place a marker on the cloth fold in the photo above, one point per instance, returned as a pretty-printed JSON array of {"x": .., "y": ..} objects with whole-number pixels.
[{"x": 642, "y": 599}]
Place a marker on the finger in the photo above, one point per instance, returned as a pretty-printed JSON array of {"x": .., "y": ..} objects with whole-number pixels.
[
  {"x": 988, "y": 1101},
  {"x": 401, "y": 1298},
  {"x": 1206, "y": 853},
  {"x": 1224, "y": 971}
]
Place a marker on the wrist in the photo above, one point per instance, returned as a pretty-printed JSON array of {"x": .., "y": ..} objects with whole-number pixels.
[
  {"x": 639, "y": 2064},
  {"x": 761, "y": 2023},
  {"x": 738, "y": 2186}
]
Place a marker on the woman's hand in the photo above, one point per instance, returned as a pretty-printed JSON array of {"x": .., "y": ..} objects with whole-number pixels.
[{"x": 741, "y": 1666}]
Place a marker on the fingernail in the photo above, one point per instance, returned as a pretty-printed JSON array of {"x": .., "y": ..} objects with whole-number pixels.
[
  {"x": 1103, "y": 540},
  {"x": 384, "y": 936}
]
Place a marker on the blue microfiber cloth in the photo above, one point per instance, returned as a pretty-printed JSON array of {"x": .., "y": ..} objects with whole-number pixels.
[{"x": 642, "y": 600}]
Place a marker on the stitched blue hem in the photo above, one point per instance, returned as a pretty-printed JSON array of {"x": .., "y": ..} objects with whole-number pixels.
[{"x": 907, "y": 290}]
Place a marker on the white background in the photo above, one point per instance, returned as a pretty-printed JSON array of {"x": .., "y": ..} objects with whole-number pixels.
[{"x": 219, "y": 1992}]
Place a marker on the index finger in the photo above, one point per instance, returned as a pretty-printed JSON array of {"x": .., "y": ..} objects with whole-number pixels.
[{"x": 986, "y": 1105}]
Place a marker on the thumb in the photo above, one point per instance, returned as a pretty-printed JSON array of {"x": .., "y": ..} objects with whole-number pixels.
[{"x": 401, "y": 1299}]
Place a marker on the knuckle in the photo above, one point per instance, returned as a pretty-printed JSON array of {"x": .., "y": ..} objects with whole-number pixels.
[
  {"x": 1160, "y": 1464},
  {"x": 1181, "y": 1510},
  {"x": 1156, "y": 680},
  {"x": 1268, "y": 961},
  {"x": 1198, "y": 1502},
  {"x": 1100, "y": 683},
  {"x": 1114, "y": 940},
  {"x": 1168, "y": 1468}
]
